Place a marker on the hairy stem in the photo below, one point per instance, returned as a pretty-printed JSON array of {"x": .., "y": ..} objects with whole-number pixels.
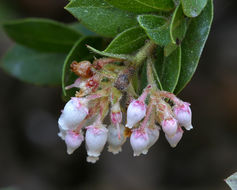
[{"x": 143, "y": 53}]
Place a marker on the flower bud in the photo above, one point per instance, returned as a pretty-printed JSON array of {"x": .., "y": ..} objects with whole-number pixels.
[
  {"x": 85, "y": 89},
  {"x": 153, "y": 135},
  {"x": 174, "y": 140},
  {"x": 115, "y": 141},
  {"x": 73, "y": 140},
  {"x": 116, "y": 114},
  {"x": 82, "y": 68},
  {"x": 96, "y": 137},
  {"x": 139, "y": 141},
  {"x": 135, "y": 113},
  {"x": 169, "y": 126},
  {"x": 74, "y": 112},
  {"x": 184, "y": 115},
  {"x": 92, "y": 84}
]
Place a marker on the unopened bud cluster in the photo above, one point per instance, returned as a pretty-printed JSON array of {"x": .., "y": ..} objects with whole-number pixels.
[{"x": 104, "y": 89}]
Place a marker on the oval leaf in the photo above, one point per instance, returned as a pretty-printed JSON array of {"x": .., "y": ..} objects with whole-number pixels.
[
  {"x": 32, "y": 66},
  {"x": 78, "y": 53},
  {"x": 193, "y": 45},
  {"x": 168, "y": 70},
  {"x": 42, "y": 34},
  {"x": 156, "y": 27},
  {"x": 193, "y": 8},
  {"x": 101, "y": 17},
  {"x": 128, "y": 41}
]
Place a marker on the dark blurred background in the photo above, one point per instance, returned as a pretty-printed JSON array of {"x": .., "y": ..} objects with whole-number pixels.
[{"x": 32, "y": 157}]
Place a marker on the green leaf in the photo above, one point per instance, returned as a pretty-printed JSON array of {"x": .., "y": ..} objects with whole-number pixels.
[
  {"x": 168, "y": 49},
  {"x": 42, "y": 34},
  {"x": 193, "y": 8},
  {"x": 168, "y": 70},
  {"x": 128, "y": 41},
  {"x": 102, "y": 53},
  {"x": 156, "y": 27},
  {"x": 178, "y": 25},
  {"x": 79, "y": 52},
  {"x": 82, "y": 29},
  {"x": 137, "y": 6},
  {"x": 178, "y": 28},
  {"x": 232, "y": 181},
  {"x": 151, "y": 22},
  {"x": 33, "y": 66},
  {"x": 101, "y": 17},
  {"x": 142, "y": 79},
  {"x": 157, "y": 79},
  {"x": 193, "y": 44},
  {"x": 164, "y": 5}
]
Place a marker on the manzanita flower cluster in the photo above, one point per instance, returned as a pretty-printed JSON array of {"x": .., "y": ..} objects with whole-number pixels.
[{"x": 106, "y": 109}]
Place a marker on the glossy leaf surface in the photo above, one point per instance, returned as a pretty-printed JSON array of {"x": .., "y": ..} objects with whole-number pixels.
[
  {"x": 193, "y": 8},
  {"x": 101, "y": 17},
  {"x": 32, "y": 66},
  {"x": 158, "y": 4},
  {"x": 168, "y": 70},
  {"x": 141, "y": 6},
  {"x": 42, "y": 34},
  {"x": 178, "y": 26},
  {"x": 82, "y": 29},
  {"x": 193, "y": 45},
  {"x": 156, "y": 27}
]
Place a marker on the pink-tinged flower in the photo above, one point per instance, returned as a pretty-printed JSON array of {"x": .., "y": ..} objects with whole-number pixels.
[
  {"x": 115, "y": 141},
  {"x": 169, "y": 126},
  {"x": 139, "y": 141},
  {"x": 92, "y": 159},
  {"x": 184, "y": 115},
  {"x": 86, "y": 85},
  {"x": 136, "y": 112},
  {"x": 92, "y": 83},
  {"x": 75, "y": 111},
  {"x": 96, "y": 137},
  {"x": 76, "y": 84},
  {"x": 174, "y": 140},
  {"x": 73, "y": 140},
  {"x": 116, "y": 114},
  {"x": 153, "y": 135},
  {"x": 62, "y": 133}
]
